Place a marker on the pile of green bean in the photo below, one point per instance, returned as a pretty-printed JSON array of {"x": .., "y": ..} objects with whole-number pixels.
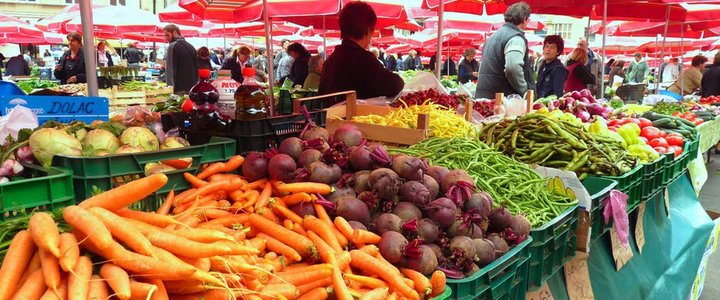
[
  {"x": 542, "y": 140},
  {"x": 508, "y": 181}
]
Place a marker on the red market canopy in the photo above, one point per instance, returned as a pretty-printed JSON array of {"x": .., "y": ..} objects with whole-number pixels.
[
  {"x": 464, "y": 21},
  {"x": 238, "y": 11},
  {"x": 14, "y": 25},
  {"x": 45, "y": 38},
  {"x": 651, "y": 29},
  {"x": 57, "y": 22},
  {"x": 389, "y": 13},
  {"x": 112, "y": 20},
  {"x": 490, "y": 7}
]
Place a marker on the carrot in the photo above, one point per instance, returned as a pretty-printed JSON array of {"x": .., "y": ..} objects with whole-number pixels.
[
  {"x": 306, "y": 267},
  {"x": 212, "y": 187},
  {"x": 50, "y": 269},
  {"x": 180, "y": 197},
  {"x": 184, "y": 247},
  {"x": 213, "y": 168},
  {"x": 321, "y": 213},
  {"x": 319, "y": 293},
  {"x": 371, "y": 250},
  {"x": 164, "y": 209},
  {"x": 222, "y": 176},
  {"x": 16, "y": 259},
  {"x": 365, "y": 237},
  {"x": 298, "y": 278},
  {"x": 117, "y": 279},
  {"x": 256, "y": 184},
  {"x": 98, "y": 290},
  {"x": 230, "y": 265},
  {"x": 264, "y": 196},
  {"x": 380, "y": 293},
  {"x": 159, "y": 293},
  {"x": 127, "y": 194},
  {"x": 327, "y": 253},
  {"x": 372, "y": 265},
  {"x": 150, "y": 218},
  {"x": 366, "y": 281},
  {"x": 194, "y": 181},
  {"x": 420, "y": 282},
  {"x": 287, "y": 213},
  {"x": 288, "y": 291},
  {"x": 61, "y": 294},
  {"x": 393, "y": 296},
  {"x": 287, "y": 223},
  {"x": 213, "y": 213},
  {"x": 201, "y": 235},
  {"x": 123, "y": 232},
  {"x": 342, "y": 292},
  {"x": 301, "y": 244},
  {"x": 296, "y": 198},
  {"x": 32, "y": 266},
  {"x": 141, "y": 290},
  {"x": 305, "y": 187},
  {"x": 233, "y": 163},
  {"x": 33, "y": 288},
  {"x": 256, "y": 243},
  {"x": 306, "y": 288},
  {"x": 297, "y": 227},
  {"x": 437, "y": 282},
  {"x": 278, "y": 247},
  {"x": 45, "y": 233},
  {"x": 78, "y": 281},
  {"x": 81, "y": 219},
  {"x": 323, "y": 230}
]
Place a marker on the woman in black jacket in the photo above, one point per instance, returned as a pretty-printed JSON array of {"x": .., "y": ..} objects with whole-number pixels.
[
  {"x": 551, "y": 72},
  {"x": 235, "y": 63},
  {"x": 299, "y": 69},
  {"x": 102, "y": 56},
  {"x": 468, "y": 68},
  {"x": 71, "y": 67}
]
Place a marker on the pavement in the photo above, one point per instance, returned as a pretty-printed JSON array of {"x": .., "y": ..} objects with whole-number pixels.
[{"x": 710, "y": 199}]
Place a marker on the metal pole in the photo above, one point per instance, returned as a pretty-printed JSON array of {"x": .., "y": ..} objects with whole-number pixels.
[
  {"x": 89, "y": 47},
  {"x": 682, "y": 57},
  {"x": 662, "y": 52},
  {"x": 438, "y": 54},
  {"x": 268, "y": 44},
  {"x": 587, "y": 32},
  {"x": 324, "y": 36},
  {"x": 602, "y": 69},
  {"x": 224, "y": 40}
]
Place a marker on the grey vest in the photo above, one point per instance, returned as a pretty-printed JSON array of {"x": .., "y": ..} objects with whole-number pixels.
[{"x": 491, "y": 77}]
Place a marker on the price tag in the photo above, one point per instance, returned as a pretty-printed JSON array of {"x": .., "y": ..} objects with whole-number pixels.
[
  {"x": 577, "y": 278},
  {"x": 640, "y": 229},
  {"x": 621, "y": 254}
]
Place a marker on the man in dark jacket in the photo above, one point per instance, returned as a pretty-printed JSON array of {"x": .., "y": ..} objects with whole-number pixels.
[
  {"x": 390, "y": 62},
  {"x": 181, "y": 60},
  {"x": 552, "y": 73},
  {"x": 505, "y": 66},
  {"x": 410, "y": 63},
  {"x": 710, "y": 81},
  {"x": 351, "y": 66},
  {"x": 133, "y": 55},
  {"x": 17, "y": 66}
]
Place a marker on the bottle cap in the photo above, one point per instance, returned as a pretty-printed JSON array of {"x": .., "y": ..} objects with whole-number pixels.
[
  {"x": 204, "y": 73},
  {"x": 248, "y": 72}
]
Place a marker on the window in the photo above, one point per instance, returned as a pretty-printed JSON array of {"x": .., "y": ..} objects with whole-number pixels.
[
  {"x": 72, "y": 1},
  {"x": 117, "y": 2},
  {"x": 562, "y": 29}
]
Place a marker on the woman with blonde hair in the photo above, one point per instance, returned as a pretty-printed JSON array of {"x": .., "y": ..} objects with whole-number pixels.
[{"x": 579, "y": 76}]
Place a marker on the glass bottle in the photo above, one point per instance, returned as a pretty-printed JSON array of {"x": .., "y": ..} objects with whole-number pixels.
[
  {"x": 226, "y": 87},
  {"x": 205, "y": 98},
  {"x": 250, "y": 98}
]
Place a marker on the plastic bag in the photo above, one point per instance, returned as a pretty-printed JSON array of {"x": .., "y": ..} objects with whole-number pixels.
[
  {"x": 423, "y": 81},
  {"x": 18, "y": 118},
  {"x": 654, "y": 99},
  {"x": 616, "y": 208},
  {"x": 140, "y": 116},
  {"x": 514, "y": 105}
]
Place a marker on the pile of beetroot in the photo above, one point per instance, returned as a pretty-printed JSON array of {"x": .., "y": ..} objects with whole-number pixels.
[{"x": 428, "y": 217}]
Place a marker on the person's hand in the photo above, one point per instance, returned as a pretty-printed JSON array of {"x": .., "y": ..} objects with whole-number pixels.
[
  {"x": 475, "y": 74},
  {"x": 72, "y": 79}
]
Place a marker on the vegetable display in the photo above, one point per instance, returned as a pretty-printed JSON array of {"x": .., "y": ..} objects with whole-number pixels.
[
  {"x": 669, "y": 108},
  {"x": 539, "y": 139},
  {"x": 452, "y": 101},
  {"x": 511, "y": 183},
  {"x": 33, "y": 84},
  {"x": 672, "y": 124},
  {"x": 581, "y": 103},
  {"x": 443, "y": 122}
]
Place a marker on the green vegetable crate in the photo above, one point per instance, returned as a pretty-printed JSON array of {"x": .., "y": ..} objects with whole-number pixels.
[
  {"x": 653, "y": 177},
  {"x": 599, "y": 188},
  {"x": 107, "y": 172},
  {"x": 445, "y": 294},
  {"x": 38, "y": 188},
  {"x": 630, "y": 183},
  {"x": 503, "y": 279},
  {"x": 552, "y": 246}
]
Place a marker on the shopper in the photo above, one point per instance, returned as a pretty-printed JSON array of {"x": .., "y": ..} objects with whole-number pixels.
[
  {"x": 671, "y": 71},
  {"x": 284, "y": 67},
  {"x": 299, "y": 69},
  {"x": 593, "y": 65},
  {"x": 690, "y": 79},
  {"x": 315, "y": 66},
  {"x": 351, "y": 66},
  {"x": 2, "y": 60},
  {"x": 17, "y": 66},
  {"x": 181, "y": 61},
  {"x": 71, "y": 67},
  {"x": 551, "y": 72},
  {"x": 468, "y": 67},
  {"x": 281, "y": 54},
  {"x": 204, "y": 61},
  {"x": 711, "y": 79},
  {"x": 238, "y": 61},
  {"x": 579, "y": 76},
  {"x": 376, "y": 52},
  {"x": 27, "y": 57},
  {"x": 448, "y": 68},
  {"x": 103, "y": 57},
  {"x": 505, "y": 65},
  {"x": 638, "y": 69},
  {"x": 608, "y": 66},
  {"x": 409, "y": 62},
  {"x": 260, "y": 64},
  {"x": 391, "y": 62},
  {"x": 617, "y": 69},
  {"x": 133, "y": 56}
]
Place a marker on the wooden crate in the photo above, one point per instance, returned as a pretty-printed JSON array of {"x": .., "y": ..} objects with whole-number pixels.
[
  {"x": 159, "y": 95},
  {"x": 119, "y": 98}
]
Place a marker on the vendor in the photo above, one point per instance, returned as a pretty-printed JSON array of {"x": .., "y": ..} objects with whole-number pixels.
[
  {"x": 240, "y": 59},
  {"x": 690, "y": 79},
  {"x": 711, "y": 79},
  {"x": 104, "y": 59},
  {"x": 552, "y": 73},
  {"x": 468, "y": 67},
  {"x": 351, "y": 66},
  {"x": 71, "y": 67}
]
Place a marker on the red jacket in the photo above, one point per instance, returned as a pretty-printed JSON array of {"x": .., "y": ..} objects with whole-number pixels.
[{"x": 578, "y": 77}]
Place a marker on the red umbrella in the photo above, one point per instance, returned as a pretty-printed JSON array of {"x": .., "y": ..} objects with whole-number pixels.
[
  {"x": 178, "y": 15},
  {"x": 675, "y": 47},
  {"x": 463, "y": 21},
  {"x": 490, "y": 7},
  {"x": 410, "y": 25},
  {"x": 45, "y": 38},
  {"x": 13, "y": 25},
  {"x": 389, "y": 13},
  {"x": 57, "y": 22},
  {"x": 112, "y": 20},
  {"x": 652, "y": 29},
  {"x": 237, "y": 11}
]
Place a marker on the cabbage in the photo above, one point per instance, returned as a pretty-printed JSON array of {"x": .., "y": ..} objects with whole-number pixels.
[
  {"x": 125, "y": 149},
  {"x": 141, "y": 137},
  {"x": 100, "y": 142},
  {"x": 48, "y": 142},
  {"x": 174, "y": 142}
]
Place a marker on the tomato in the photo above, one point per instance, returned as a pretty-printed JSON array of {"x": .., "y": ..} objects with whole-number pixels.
[
  {"x": 634, "y": 120},
  {"x": 658, "y": 142},
  {"x": 644, "y": 122},
  {"x": 676, "y": 114},
  {"x": 688, "y": 116},
  {"x": 698, "y": 121},
  {"x": 675, "y": 140},
  {"x": 187, "y": 105},
  {"x": 650, "y": 132},
  {"x": 613, "y": 128},
  {"x": 613, "y": 122},
  {"x": 675, "y": 149},
  {"x": 663, "y": 133},
  {"x": 661, "y": 150}
]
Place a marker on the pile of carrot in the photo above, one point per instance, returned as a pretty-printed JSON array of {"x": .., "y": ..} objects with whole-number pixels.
[{"x": 225, "y": 238}]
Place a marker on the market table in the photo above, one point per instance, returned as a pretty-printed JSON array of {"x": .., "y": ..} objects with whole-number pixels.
[{"x": 709, "y": 134}]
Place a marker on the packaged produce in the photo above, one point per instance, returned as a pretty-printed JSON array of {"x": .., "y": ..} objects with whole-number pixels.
[
  {"x": 443, "y": 122},
  {"x": 226, "y": 87}
]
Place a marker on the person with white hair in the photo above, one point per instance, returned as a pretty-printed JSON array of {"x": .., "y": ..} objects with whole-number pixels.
[
  {"x": 315, "y": 66},
  {"x": 670, "y": 72}
]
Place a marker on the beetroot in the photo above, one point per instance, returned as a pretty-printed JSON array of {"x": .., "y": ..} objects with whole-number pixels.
[
  {"x": 453, "y": 177},
  {"x": 337, "y": 154},
  {"x": 482, "y": 202},
  {"x": 303, "y": 209},
  {"x": 442, "y": 211},
  {"x": 460, "y": 228},
  {"x": 348, "y": 134},
  {"x": 387, "y": 222},
  {"x": 291, "y": 146},
  {"x": 353, "y": 210},
  {"x": 458, "y": 186},
  {"x": 339, "y": 193},
  {"x": 318, "y": 144},
  {"x": 432, "y": 186},
  {"x": 359, "y": 181},
  {"x": 520, "y": 225},
  {"x": 407, "y": 211},
  {"x": 409, "y": 167},
  {"x": 281, "y": 167},
  {"x": 371, "y": 199},
  {"x": 392, "y": 245},
  {"x": 484, "y": 251},
  {"x": 500, "y": 218},
  {"x": 255, "y": 166},
  {"x": 360, "y": 158},
  {"x": 388, "y": 205},
  {"x": 415, "y": 192},
  {"x": 463, "y": 244},
  {"x": 324, "y": 173},
  {"x": 471, "y": 270},
  {"x": 424, "y": 229},
  {"x": 501, "y": 246},
  {"x": 380, "y": 156},
  {"x": 357, "y": 225},
  {"x": 384, "y": 182},
  {"x": 438, "y": 252},
  {"x": 424, "y": 262},
  {"x": 315, "y": 132},
  {"x": 437, "y": 172},
  {"x": 309, "y": 156}
]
